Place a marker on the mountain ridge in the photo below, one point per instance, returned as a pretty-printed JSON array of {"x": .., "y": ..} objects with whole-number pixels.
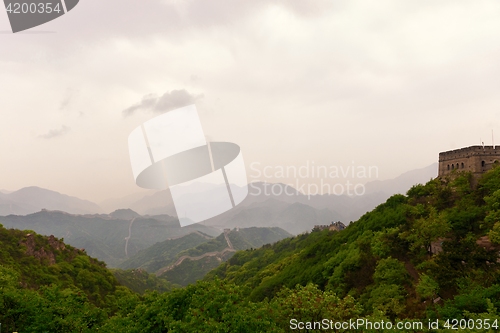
[
  {"x": 104, "y": 236},
  {"x": 28, "y": 200}
]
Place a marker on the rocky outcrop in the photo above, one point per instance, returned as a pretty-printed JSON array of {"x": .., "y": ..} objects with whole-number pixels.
[{"x": 43, "y": 252}]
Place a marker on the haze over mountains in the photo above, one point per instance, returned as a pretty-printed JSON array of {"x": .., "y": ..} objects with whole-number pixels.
[
  {"x": 403, "y": 182},
  {"x": 32, "y": 199},
  {"x": 349, "y": 208},
  {"x": 294, "y": 213},
  {"x": 272, "y": 204}
]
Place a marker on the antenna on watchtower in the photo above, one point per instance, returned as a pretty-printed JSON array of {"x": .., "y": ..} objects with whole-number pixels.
[{"x": 492, "y": 139}]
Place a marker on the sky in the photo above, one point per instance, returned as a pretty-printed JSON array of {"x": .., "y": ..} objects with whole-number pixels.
[{"x": 339, "y": 84}]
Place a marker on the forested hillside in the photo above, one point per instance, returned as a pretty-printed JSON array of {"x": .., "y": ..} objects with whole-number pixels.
[
  {"x": 163, "y": 253},
  {"x": 205, "y": 257},
  {"x": 429, "y": 255},
  {"x": 49, "y": 286},
  {"x": 187, "y": 259},
  {"x": 111, "y": 238},
  {"x": 140, "y": 281}
]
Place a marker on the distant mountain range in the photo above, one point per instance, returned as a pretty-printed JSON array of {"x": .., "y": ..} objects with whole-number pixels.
[
  {"x": 294, "y": 217},
  {"x": 298, "y": 212},
  {"x": 295, "y": 213},
  {"x": 402, "y": 183},
  {"x": 112, "y": 204},
  {"x": 33, "y": 199}
]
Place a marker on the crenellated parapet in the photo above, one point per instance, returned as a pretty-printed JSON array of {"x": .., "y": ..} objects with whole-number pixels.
[{"x": 475, "y": 159}]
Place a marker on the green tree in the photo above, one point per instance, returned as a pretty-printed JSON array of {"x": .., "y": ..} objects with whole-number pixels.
[
  {"x": 390, "y": 271},
  {"x": 426, "y": 230},
  {"x": 387, "y": 293},
  {"x": 494, "y": 233},
  {"x": 214, "y": 306},
  {"x": 389, "y": 299},
  {"x": 311, "y": 304},
  {"x": 427, "y": 287}
]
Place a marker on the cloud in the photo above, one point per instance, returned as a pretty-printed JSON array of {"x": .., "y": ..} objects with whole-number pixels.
[
  {"x": 167, "y": 102},
  {"x": 65, "y": 103},
  {"x": 54, "y": 133},
  {"x": 175, "y": 99},
  {"x": 147, "y": 102},
  {"x": 68, "y": 99},
  {"x": 171, "y": 19}
]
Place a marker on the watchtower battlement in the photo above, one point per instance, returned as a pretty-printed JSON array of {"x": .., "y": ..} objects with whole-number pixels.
[{"x": 476, "y": 159}]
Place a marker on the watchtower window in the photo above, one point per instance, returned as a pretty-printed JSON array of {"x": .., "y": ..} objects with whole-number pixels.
[
  {"x": 483, "y": 163},
  {"x": 457, "y": 165},
  {"x": 452, "y": 166},
  {"x": 448, "y": 167},
  {"x": 462, "y": 165}
]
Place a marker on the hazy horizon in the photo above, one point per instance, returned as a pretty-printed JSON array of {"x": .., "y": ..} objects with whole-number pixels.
[{"x": 141, "y": 193}]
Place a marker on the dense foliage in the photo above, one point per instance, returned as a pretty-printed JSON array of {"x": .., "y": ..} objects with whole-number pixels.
[
  {"x": 105, "y": 236},
  {"x": 40, "y": 261},
  {"x": 431, "y": 254},
  {"x": 140, "y": 281},
  {"x": 49, "y": 286}
]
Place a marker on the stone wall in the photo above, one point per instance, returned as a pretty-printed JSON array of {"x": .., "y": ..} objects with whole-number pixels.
[{"x": 476, "y": 159}]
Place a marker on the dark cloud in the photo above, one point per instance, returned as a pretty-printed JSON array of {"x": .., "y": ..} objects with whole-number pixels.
[
  {"x": 65, "y": 103},
  {"x": 167, "y": 102},
  {"x": 147, "y": 102},
  {"x": 54, "y": 133},
  {"x": 175, "y": 99},
  {"x": 68, "y": 98}
]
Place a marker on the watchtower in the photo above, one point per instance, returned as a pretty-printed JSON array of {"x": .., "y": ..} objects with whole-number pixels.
[{"x": 476, "y": 159}]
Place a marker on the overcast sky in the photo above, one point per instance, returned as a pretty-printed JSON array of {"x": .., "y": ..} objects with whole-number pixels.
[{"x": 367, "y": 83}]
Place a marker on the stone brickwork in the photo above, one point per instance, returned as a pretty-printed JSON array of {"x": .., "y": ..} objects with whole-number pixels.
[
  {"x": 476, "y": 159},
  {"x": 338, "y": 226}
]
